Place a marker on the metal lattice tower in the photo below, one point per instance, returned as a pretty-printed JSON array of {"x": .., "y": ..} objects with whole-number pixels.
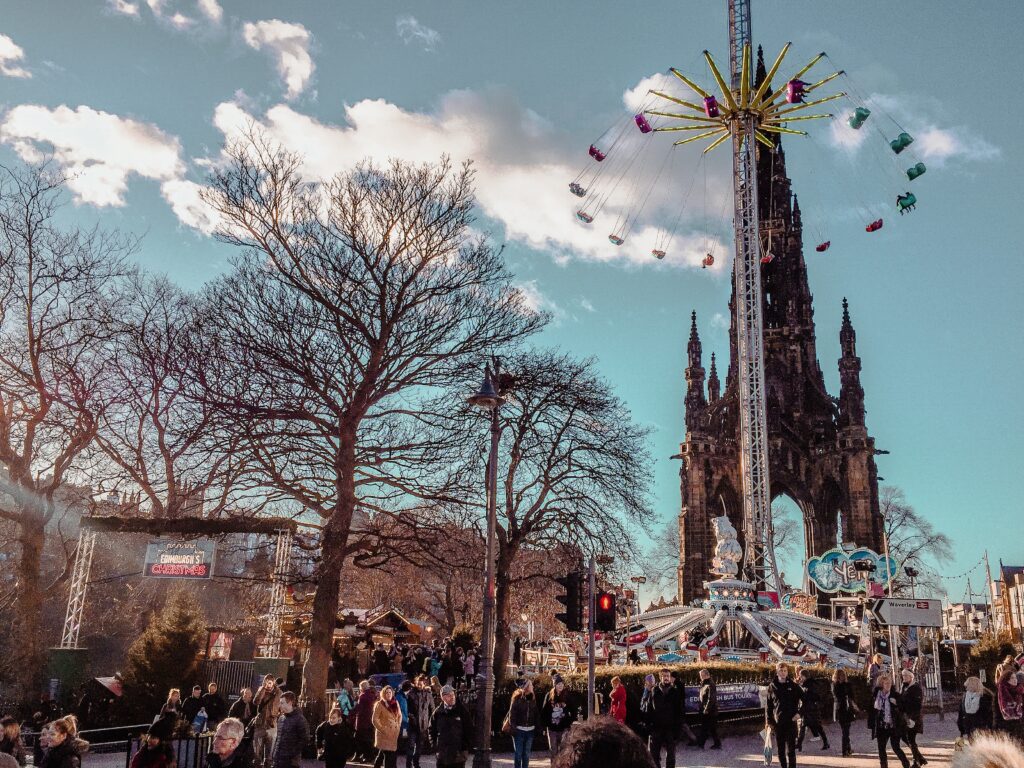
[
  {"x": 759, "y": 555},
  {"x": 271, "y": 646},
  {"x": 79, "y": 582}
]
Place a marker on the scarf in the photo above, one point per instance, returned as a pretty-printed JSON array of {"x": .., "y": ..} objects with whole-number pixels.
[
  {"x": 884, "y": 707},
  {"x": 972, "y": 701}
]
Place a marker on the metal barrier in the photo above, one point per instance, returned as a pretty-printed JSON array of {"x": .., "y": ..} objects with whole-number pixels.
[
  {"x": 230, "y": 676},
  {"x": 102, "y": 741},
  {"x": 188, "y": 753}
]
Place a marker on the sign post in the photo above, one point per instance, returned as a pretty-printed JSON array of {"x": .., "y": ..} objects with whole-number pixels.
[{"x": 908, "y": 612}]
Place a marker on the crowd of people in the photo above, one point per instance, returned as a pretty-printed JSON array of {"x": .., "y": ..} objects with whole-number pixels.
[{"x": 58, "y": 745}]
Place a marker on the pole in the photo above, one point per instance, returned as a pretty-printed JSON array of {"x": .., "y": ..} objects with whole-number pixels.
[
  {"x": 482, "y": 757},
  {"x": 629, "y": 621},
  {"x": 592, "y": 609},
  {"x": 938, "y": 671},
  {"x": 894, "y": 631}
]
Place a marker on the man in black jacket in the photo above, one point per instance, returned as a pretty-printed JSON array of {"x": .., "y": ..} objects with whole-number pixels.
[
  {"x": 292, "y": 734},
  {"x": 708, "y": 711},
  {"x": 784, "y": 700},
  {"x": 664, "y": 720},
  {"x": 450, "y": 730},
  {"x": 810, "y": 713},
  {"x": 190, "y": 707},
  {"x": 215, "y": 706},
  {"x": 911, "y": 702}
]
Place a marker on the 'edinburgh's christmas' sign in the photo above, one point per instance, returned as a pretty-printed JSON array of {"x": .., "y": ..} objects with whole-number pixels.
[{"x": 179, "y": 559}]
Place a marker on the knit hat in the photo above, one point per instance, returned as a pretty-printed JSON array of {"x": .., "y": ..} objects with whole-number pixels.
[
  {"x": 446, "y": 689},
  {"x": 162, "y": 727},
  {"x": 556, "y": 679}
]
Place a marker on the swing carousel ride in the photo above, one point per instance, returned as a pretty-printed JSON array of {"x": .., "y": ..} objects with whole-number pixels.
[{"x": 624, "y": 170}]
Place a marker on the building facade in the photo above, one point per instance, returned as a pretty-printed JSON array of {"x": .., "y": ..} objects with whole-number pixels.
[{"x": 820, "y": 452}]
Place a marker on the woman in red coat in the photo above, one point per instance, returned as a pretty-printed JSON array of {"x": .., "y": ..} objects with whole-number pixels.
[{"x": 618, "y": 697}]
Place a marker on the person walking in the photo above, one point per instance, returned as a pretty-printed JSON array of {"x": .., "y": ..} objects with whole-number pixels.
[
  {"x": 664, "y": 720},
  {"x": 912, "y": 702},
  {"x": 421, "y": 707},
  {"x": 842, "y": 695},
  {"x": 889, "y": 722},
  {"x": 646, "y": 708},
  {"x": 810, "y": 712},
  {"x": 387, "y": 727},
  {"x": 708, "y": 710},
  {"x": 618, "y": 700},
  {"x": 1010, "y": 697},
  {"x": 264, "y": 723},
  {"x": 64, "y": 750},
  {"x": 450, "y": 730},
  {"x": 173, "y": 706},
  {"x": 11, "y": 743},
  {"x": 334, "y": 740},
  {"x": 190, "y": 707},
  {"x": 230, "y": 747},
  {"x": 784, "y": 701},
  {"x": 292, "y": 734},
  {"x": 976, "y": 711},
  {"x": 558, "y": 713},
  {"x": 215, "y": 706},
  {"x": 364, "y": 721},
  {"x": 347, "y": 698},
  {"x": 685, "y": 731},
  {"x": 243, "y": 707},
  {"x": 522, "y": 719}
]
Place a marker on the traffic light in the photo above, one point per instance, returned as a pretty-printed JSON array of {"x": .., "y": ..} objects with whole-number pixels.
[
  {"x": 573, "y": 602},
  {"x": 604, "y": 617}
]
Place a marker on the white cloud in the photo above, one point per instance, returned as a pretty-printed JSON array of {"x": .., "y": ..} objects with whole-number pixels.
[
  {"x": 410, "y": 30},
  {"x": 586, "y": 304},
  {"x": 11, "y": 52},
  {"x": 289, "y": 45},
  {"x": 123, "y": 7},
  {"x": 211, "y": 10},
  {"x": 536, "y": 301},
  {"x": 938, "y": 145},
  {"x": 185, "y": 200},
  {"x": 523, "y": 170},
  {"x": 97, "y": 149}
]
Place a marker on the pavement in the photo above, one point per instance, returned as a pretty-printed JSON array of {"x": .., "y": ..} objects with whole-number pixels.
[{"x": 936, "y": 744}]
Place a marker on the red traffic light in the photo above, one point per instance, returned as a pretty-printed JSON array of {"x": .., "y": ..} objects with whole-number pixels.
[
  {"x": 604, "y": 613},
  {"x": 605, "y": 602}
]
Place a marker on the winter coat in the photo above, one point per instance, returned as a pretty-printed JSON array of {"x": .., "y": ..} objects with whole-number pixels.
[
  {"x": 268, "y": 706},
  {"x": 190, "y": 708},
  {"x": 64, "y": 755},
  {"x": 469, "y": 665},
  {"x": 381, "y": 661},
  {"x": 708, "y": 698},
  {"x": 292, "y": 735},
  {"x": 387, "y": 726},
  {"x": 347, "y": 702},
  {"x": 811, "y": 708},
  {"x": 364, "y": 710},
  {"x": 243, "y": 711},
  {"x": 242, "y": 757},
  {"x": 160, "y": 757},
  {"x": 451, "y": 733},
  {"x": 664, "y": 709},
  {"x": 899, "y": 720},
  {"x": 334, "y": 740},
  {"x": 558, "y": 712},
  {"x": 523, "y": 712},
  {"x": 970, "y": 722},
  {"x": 911, "y": 702},
  {"x": 843, "y": 695},
  {"x": 15, "y": 748},
  {"x": 403, "y": 706},
  {"x": 784, "y": 700},
  {"x": 215, "y": 706},
  {"x": 1011, "y": 699},
  {"x": 618, "y": 703},
  {"x": 421, "y": 707},
  {"x": 172, "y": 709}
]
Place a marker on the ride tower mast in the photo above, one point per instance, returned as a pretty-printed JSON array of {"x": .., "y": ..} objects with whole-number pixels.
[{"x": 759, "y": 552}]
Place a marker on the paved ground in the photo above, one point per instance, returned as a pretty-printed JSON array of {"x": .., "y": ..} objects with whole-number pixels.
[
  {"x": 936, "y": 745},
  {"x": 744, "y": 750}
]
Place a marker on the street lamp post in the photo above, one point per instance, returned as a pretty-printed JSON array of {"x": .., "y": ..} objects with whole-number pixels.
[
  {"x": 489, "y": 399},
  {"x": 637, "y": 580}
]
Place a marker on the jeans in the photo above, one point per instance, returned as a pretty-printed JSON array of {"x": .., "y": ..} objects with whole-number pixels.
[
  {"x": 263, "y": 745},
  {"x": 888, "y": 736},
  {"x": 522, "y": 743},
  {"x": 414, "y": 746},
  {"x": 554, "y": 742},
  {"x": 664, "y": 739},
  {"x": 785, "y": 741}
]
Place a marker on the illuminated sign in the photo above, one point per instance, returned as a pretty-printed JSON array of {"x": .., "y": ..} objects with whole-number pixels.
[
  {"x": 179, "y": 559},
  {"x": 834, "y": 571}
]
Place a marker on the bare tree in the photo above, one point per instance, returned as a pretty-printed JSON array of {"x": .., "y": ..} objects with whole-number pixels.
[
  {"x": 354, "y": 301},
  {"x": 160, "y": 435},
  {"x": 573, "y": 476},
  {"x": 913, "y": 540},
  {"x": 58, "y": 301}
]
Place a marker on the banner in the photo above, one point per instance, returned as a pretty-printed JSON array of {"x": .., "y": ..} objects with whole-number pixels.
[
  {"x": 731, "y": 697},
  {"x": 179, "y": 559},
  {"x": 219, "y": 646},
  {"x": 834, "y": 571}
]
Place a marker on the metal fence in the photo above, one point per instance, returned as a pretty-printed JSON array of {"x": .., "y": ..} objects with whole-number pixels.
[
  {"x": 188, "y": 753},
  {"x": 230, "y": 676}
]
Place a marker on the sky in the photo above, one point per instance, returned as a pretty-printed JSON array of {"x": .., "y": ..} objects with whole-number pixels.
[{"x": 135, "y": 99}]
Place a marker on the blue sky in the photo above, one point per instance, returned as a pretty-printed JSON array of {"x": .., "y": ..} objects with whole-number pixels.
[{"x": 136, "y": 98}]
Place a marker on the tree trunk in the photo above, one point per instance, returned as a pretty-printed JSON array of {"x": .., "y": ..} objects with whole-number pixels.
[
  {"x": 502, "y": 605},
  {"x": 30, "y": 653},
  {"x": 328, "y": 586}
]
